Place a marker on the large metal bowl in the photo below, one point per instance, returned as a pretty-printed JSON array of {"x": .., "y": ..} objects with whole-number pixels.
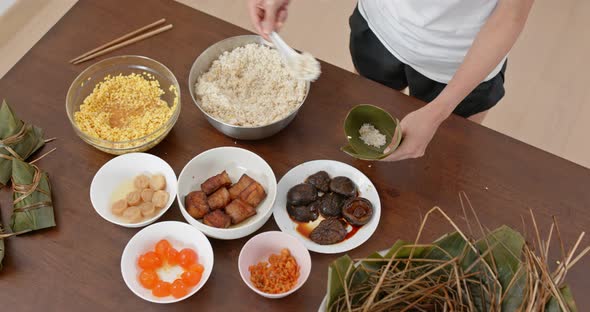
[{"x": 202, "y": 65}]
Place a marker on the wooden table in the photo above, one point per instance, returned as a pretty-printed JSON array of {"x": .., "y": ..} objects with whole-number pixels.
[{"x": 75, "y": 266}]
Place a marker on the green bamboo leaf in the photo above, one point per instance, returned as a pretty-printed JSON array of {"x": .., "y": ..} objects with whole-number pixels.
[
  {"x": 35, "y": 211},
  {"x": 566, "y": 294},
  {"x": 1, "y": 249},
  {"x": 337, "y": 277},
  {"x": 492, "y": 269},
  {"x": 401, "y": 250},
  {"x": 507, "y": 255},
  {"x": 396, "y": 246},
  {"x": 351, "y": 152},
  {"x": 381, "y": 120},
  {"x": 373, "y": 265},
  {"x": 504, "y": 259},
  {"x": 450, "y": 246},
  {"x": 10, "y": 123},
  {"x": 30, "y": 140}
]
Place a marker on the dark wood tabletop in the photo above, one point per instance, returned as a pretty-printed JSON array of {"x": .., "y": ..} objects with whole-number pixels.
[{"x": 76, "y": 265}]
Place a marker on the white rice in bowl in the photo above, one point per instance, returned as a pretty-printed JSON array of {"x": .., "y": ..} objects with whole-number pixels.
[
  {"x": 249, "y": 86},
  {"x": 371, "y": 136}
]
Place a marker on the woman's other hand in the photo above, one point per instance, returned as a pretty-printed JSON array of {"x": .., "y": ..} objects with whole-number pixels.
[{"x": 267, "y": 15}]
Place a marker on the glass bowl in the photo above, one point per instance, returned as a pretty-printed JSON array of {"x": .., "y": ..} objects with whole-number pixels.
[{"x": 84, "y": 84}]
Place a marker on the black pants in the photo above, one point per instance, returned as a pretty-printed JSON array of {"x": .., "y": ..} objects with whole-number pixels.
[{"x": 372, "y": 60}]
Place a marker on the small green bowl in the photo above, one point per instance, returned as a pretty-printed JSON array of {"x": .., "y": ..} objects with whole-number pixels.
[{"x": 382, "y": 121}]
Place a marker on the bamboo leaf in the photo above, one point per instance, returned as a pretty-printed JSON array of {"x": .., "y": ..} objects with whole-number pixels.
[
  {"x": 566, "y": 293},
  {"x": 35, "y": 210},
  {"x": 351, "y": 152},
  {"x": 10, "y": 123},
  {"x": 337, "y": 278},
  {"x": 381, "y": 120},
  {"x": 502, "y": 252},
  {"x": 401, "y": 250},
  {"x": 453, "y": 245},
  {"x": 16, "y": 138},
  {"x": 373, "y": 265},
  {"x": 494, "y": 273},
  {"x": 1, "y": 249}
]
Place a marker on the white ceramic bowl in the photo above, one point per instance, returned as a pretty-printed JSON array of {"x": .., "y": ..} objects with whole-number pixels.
[
  {"x": 236, "y": 161},
  {"x": 334, "y": 168},
  {"x": 180, "y": 235},
  {"x": 123, "y": 169},
  {"x": 261, "y": 246}
]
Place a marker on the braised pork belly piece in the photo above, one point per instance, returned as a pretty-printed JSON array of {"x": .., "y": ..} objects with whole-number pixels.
[
  {"x": 196, "y": 204},
  {"x": 219, "y": 199},
  {"x": 217, "y": 218},
  {"x": 254, "y": 194},
  {"x": 243, "y": 183},
  {"x": 239, "y": 210},
  {"x": 215, "y": 182}
]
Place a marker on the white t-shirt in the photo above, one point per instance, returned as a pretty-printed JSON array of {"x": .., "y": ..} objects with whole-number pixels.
[{"x": 432, "y": 36}]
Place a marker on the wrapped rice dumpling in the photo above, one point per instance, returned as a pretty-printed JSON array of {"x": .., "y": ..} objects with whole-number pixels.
[
  {"x": 3, "y": 235},
  {"x": 17, "y": 140},
  {"x": 33, "y": 209},
  {"x": 1, "y": 246}
]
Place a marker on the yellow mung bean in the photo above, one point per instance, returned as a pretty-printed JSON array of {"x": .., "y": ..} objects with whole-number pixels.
[{"x": 123, "y": 108}]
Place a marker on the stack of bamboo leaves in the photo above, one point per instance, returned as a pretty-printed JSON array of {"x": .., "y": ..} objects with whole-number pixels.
[
  {"x": 32, "y": 205},
  {"x": 497, "y": 272}
]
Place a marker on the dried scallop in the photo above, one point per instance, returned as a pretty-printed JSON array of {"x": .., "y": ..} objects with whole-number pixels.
[
  {"x": 160, "y": 198},
  {"x": 132, "y": 214},
  {"x": 146, "y": 195},
  {"x": 148, "y": 210},
  {"x": 157, "y": 182},
  {"x": 141, "y": 182},
  {"x": 133, "y": 198},
  {"x": 119, "y": 207}
]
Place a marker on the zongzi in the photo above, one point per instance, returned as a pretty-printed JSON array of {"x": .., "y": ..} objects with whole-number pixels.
[
  {"x": 33, "y": 208},
  {"x": 1, "y": 246},
  {"x": 18, "y": 140}
]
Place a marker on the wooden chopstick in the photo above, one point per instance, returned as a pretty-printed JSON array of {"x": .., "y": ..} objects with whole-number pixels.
[
  {"x": 120, "y": 39},
  {"x": 125, "y": 43}
]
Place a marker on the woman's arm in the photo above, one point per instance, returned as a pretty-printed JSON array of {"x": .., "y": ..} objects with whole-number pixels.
[{"x": 491, "y": 45}]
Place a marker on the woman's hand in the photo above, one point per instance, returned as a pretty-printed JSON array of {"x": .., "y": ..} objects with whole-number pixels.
[
  {"x": 267, "y": 15},
  {"x": 418, "y": 128}
]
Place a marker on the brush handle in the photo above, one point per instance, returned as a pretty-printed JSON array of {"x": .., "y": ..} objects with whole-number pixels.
[{"x": 284, "y": 49}]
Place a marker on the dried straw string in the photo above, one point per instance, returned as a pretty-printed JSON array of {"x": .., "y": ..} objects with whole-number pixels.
[
  {"x": 42, "y": 156},
  {"x": 6, "y": 235},
  {"x": 542, "y": 284},
  {"x": 17, "y": 137},
  {"x": 27, "y": 189}
]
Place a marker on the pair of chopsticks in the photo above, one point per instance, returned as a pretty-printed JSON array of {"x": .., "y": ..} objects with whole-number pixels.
[{"x": 123, "y": 41}]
